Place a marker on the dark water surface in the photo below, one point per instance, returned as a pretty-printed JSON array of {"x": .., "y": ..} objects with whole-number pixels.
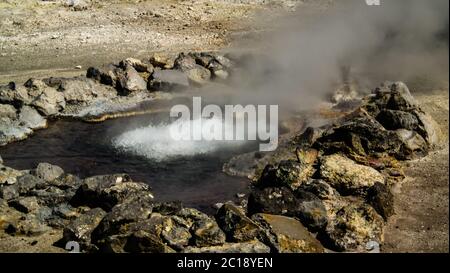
[{"x": 85, "y": 149}]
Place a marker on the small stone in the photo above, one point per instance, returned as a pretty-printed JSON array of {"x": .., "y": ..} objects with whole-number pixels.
[{"x": 78, "y": 67}]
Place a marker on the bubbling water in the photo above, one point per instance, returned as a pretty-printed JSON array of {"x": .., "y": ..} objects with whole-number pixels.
[{"x": 156, "y": 142}]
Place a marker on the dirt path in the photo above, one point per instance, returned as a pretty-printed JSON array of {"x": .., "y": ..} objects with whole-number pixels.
[{"x": 421, "y": 202}]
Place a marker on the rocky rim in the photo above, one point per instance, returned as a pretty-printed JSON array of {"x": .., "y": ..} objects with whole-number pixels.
[{"x": 325, "y": 189}]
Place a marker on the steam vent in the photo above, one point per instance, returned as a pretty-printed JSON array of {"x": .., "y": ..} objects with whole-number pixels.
[{"x": 223, "y": 126}]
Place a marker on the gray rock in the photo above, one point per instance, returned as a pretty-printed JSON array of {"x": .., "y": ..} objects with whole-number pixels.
[
  {"x": 47, "y": 100},
  {"x": 14, "y": 94},
  {"x": 311, "y": 211},
  {"x": 167, "y": 80},
  {"x": 8, "y": 192},
  {"x": 288, "y": 173},
  {"x": 7, "y": 111},
  {"x": 28, "y": 182},
  {"x": 347, "y": 176},
  {"x": 11, "y": 131},
  {"x": 394, "y": 119},
  {"x": 130, "y": 81},
  {"x": 198, "y": 75},
  {"x": 106, "y": 191},
  {"x": 48, "y": 172},
  {"x": 31, "y": 118},
  {"x": 25, "y": 204}
]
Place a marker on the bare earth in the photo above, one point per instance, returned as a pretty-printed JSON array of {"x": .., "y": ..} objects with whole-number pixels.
[{"x": 46, "y": 38}]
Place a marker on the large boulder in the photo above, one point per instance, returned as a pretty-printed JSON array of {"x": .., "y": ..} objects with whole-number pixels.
[{"x": 347, "y": 176}]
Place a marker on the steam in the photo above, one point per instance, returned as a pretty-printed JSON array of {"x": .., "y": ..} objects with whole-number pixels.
[
  {"x": 156, "y": 142},
  {"x": 310, "y": 53}
]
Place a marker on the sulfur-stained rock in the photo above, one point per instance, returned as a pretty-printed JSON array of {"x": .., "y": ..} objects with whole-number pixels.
[
  {"x": 354, "y": 225},
  {"x": 145, "y": 242},
  {"x": 80, "y": 228},
  {"x": 320, "y": 188},
  {"x": 206, "y": 232},
  {"x": 25, "y": 204},
  {"x": 347, "y": 176},
  {"x": 288, "y": 173}
]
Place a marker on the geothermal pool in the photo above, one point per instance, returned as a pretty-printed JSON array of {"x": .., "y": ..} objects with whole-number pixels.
[{"x": 190, "y": 172}]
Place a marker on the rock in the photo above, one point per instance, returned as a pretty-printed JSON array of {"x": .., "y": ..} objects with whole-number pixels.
[
  {"x": 162, "y": 60},
  {"x": 8, "y": 192},
  {"x": 106, "y": 191},
  {"x": 254, "y": 246},
  {"x": 13, "y": 94},
  {"x": 106, "y": 75},
  {"x": 130, "y": 81},
  {"x": 66, "y": 211},
  {"x": 7, "y": 111},
  {"x": 288, "y": 173},
  {"x": 287, "y": 235},
  {"x": 117, "y": 221},
  {"x": 206, "y": 232},
  {"x": 382, "y": 200},
  {"x": 354, "y": 226},
  {"x": 220, "y": 74},
  {"x": 167, "y": 80},
  {"x": 31, "y": 118},
  {"x": 81, "y": 228},
  {"x": 25, "y": 204},
  {"x": 413, "y": 143},
  {"x": 167, "y": 208},
  {"x": 82, "y": 90},
  {"x": 198, "y": 75},
  {"x": 185, "y": 62},
  {"x": 66, "y": 181},
  {"x": 273, "y": 201},
  {"x": 29, "y": 225},
  {"x": 47, "y": 100},
  {"x": 52, "y": 196},
  {"x": 347, "y": 176},
  {"x": 9, "y": 217},
  {"x": 145, "y": 242},
  {"x": 48, "y": 172},
  {"x": 11, "y": 131},
  {"x": 236, "y": 225},
  {"x": 175, "y": 233},
  {"x": 78, "y": 5},
  {"x": 394, "y": 119},
  {"x": 320, "y": 188},
  {"x": 8, "y": 175},
  {"x": 401, "y": 98},
  {"x": 139, "y": 65},
  {"x": 428, "y": 128},
  {"x": 311, "y": 211}
]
